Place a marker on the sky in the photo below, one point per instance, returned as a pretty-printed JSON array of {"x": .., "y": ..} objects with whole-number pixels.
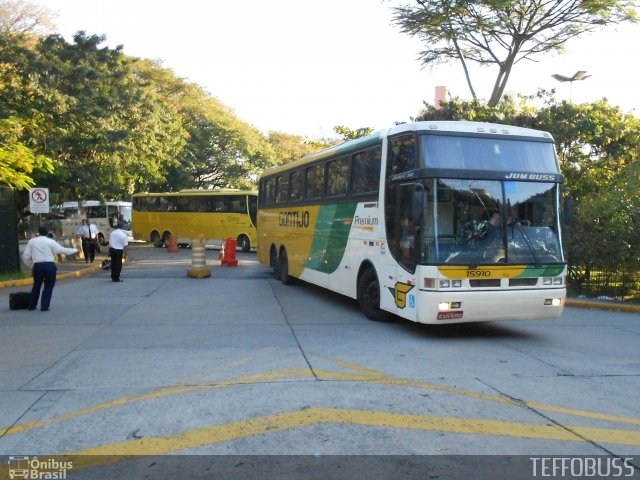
[{"x": 304, "y": 66}]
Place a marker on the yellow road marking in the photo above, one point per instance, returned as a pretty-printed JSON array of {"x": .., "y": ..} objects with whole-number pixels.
[
  {"x": 160, "y": 393},
  {"x": 105, "y": 454},
  {"x": 234, "y": 364},
  {"x": 367, "y": 375},
  {"x": 378, "y": 377}
]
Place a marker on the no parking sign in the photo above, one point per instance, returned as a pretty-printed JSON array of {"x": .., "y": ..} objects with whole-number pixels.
[{"x": 39, "y": 200}]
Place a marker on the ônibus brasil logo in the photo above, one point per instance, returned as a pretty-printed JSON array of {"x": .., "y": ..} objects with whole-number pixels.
[{"x": 38, "y": 468}]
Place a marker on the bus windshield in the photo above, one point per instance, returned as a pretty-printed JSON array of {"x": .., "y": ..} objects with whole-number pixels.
[
  {"x": 495, "y": 154},
  {"x": 490, "y": 221}
]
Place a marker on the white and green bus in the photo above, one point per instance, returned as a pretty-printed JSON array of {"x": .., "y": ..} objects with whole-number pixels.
[
  {"x": 67, "y": 218},
  {"x": 436, "y": 222}
]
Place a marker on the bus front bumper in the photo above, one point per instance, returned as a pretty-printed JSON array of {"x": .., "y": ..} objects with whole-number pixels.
[{"x": 489, "y": 305}]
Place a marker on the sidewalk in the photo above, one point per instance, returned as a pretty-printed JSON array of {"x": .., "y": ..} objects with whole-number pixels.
[{"x": 66, "y": 269}]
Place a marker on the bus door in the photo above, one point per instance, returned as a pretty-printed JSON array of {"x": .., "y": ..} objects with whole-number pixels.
[{"x": 399, "y": 281}]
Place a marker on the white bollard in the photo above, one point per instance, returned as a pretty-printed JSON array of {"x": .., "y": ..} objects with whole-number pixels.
[{"x": 198, "y": 261}]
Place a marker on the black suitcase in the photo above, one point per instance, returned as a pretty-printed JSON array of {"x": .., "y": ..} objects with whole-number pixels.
[{"x": 19, "y": 300}]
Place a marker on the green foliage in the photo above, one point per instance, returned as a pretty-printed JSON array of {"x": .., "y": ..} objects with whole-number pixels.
[
  {"x": 348, "y": 134},
  {"x": 17, "y": 162},
  {"x": 501, "y": 33},
  {"x": 288, "y": 148},
  {"x": 91, "y": 122}
]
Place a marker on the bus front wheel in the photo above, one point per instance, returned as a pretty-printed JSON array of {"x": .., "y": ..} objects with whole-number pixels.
[
  {"x": 244, "y": 243},
  {"x": 369, "y": 296}
]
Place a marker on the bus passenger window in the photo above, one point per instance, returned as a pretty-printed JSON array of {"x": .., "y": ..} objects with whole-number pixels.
[
  {"x": 402, "y": 154},
  {"x": 365, "y": 173},
  {"x": 270, "y": 191},
  {"x": 282, "y": 189},
  {"x": 337, "y": 177},
  {"x": 315, "y": 181},
  {"x": 297, "y": 185},
  {"x": 238, "y": 204}
]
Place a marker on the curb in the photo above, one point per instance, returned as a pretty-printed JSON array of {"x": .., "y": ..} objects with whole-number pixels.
[
  {"x": 618, "y": 307},
  {"x": 29, "y": 281}
]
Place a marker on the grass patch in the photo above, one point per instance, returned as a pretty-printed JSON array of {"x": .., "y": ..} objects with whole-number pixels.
[{"x": 15, "y": 276}]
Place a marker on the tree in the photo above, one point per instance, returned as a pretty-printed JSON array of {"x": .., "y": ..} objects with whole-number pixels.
[
  {"x": 501, "y": 33},
  {"x": 17, "y": 161},
  {"x": 23, "y": 17},
  {"x": 288, "y": 148},
  {"x": 348, "y": 134}
]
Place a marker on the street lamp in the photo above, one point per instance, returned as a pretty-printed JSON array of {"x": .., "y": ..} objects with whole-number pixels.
[{"x": 579, "y": 75}]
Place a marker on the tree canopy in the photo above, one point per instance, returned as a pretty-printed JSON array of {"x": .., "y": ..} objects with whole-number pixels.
[
  {"x": 89, "y": 121},
  {"x": 501, "y": 33}
]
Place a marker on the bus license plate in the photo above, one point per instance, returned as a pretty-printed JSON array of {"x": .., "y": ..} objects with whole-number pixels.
[{"x": 449, "y": 315}]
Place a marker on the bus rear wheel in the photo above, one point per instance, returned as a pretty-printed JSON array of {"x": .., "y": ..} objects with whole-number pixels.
[
  {"x": 369, "y": 297},
  {"x": 244, "y": 243},
  {"x": 155, "y": 239},
  {"x": 283, "y": 270},
  {"x": 273, "y": 262}
]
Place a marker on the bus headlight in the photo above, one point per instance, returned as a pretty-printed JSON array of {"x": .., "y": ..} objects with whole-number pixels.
[
  {"x": 443, "y": 306},
  {"x": 450, "y": 283},
  {"x": 548, "y": 281},
  {"x": 554, "y": 302}
]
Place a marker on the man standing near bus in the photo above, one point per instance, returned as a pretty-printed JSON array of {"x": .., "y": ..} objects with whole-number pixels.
[
  {"x": 40, "y": 254},
  {"x": 118, "y": 244},
  {"x": 89, "y": 233}
]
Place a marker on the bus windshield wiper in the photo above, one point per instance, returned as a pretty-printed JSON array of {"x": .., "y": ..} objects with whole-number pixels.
[{"x": 536, "y": 260}]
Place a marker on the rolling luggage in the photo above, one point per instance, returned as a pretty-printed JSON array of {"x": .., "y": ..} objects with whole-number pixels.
[{"x": 19, "y": 300}]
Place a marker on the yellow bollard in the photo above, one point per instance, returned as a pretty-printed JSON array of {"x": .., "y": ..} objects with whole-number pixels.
[{"x": 198, "y": 261}]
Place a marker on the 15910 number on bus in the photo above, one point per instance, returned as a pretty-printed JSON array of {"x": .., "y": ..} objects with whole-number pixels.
[{"x": 478, "y": 273}]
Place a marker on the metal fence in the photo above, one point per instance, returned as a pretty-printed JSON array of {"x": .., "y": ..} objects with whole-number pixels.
[{"x": 603, "y": 266}]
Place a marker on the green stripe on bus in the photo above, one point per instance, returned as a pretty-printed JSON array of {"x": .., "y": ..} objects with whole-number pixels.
[
  {"x": 544, "y": 271},
  {"x": 330, "y": 237}
]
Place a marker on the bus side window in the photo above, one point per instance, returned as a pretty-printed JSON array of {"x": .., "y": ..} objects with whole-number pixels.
[
  {"x": 401, "y": 154},
  {"x": 283, "y": 189},
  {"x": 297, "y": 185},
  {"x": 270, "y": 191},
  {"x": 238, "y": 205},
  {"x": 315, "y": 181},
  {"x": 365, "y": 173},
  {"x": 337, "y": 177}
]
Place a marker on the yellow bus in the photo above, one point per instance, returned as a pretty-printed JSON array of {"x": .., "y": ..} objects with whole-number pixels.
[
  {"x": 436, "y": 222},
  {"x": 188, "y": 214}
]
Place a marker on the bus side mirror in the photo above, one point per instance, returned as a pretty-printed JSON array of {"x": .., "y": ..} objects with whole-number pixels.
[
  {"x": 568, "y": 210},
  {"x": 417, "y": 207}
]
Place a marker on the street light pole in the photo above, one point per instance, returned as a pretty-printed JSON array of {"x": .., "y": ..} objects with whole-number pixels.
[{"x": 579, "y": 75}]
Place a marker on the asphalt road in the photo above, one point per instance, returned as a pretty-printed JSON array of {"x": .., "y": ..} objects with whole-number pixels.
[{"x": 239, "y": 364}]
